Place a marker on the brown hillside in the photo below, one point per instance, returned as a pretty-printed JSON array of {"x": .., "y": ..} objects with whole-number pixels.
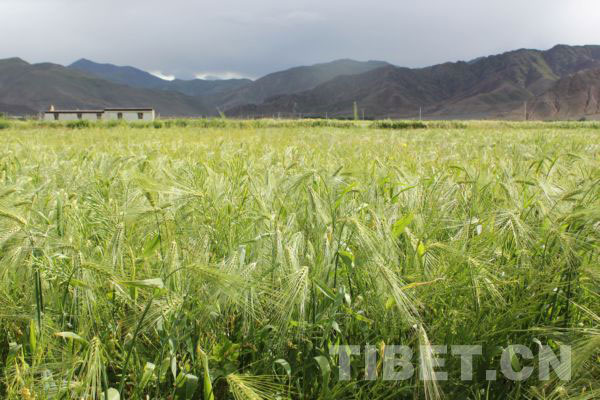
[
  {"x": 490, "y": 87},
  {"x": 572, "y": 97}
]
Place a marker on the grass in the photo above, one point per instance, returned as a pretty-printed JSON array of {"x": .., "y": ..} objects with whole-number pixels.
[
  {"x": 215, "y": 123},
  {"x": 389, "y": 124},
  {"x": 222, "y": 259}
]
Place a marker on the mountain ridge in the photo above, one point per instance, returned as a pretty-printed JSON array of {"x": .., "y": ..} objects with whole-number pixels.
[
  {"x": 574, "y": 96},
  {"x": 491, "y": 87},
  {"x": 494, "y": 86},
  {"x": 296, "y": 79},
  {"x": 37, "y": 86},
  {"x": 135, "y": 77}
]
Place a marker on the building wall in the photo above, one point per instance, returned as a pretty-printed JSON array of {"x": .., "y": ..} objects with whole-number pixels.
[
  {"x": 61, "y": 117},
  {"x": 106, "y": 115},
  {"x": 90, "y": 116},
  {"x": 70, "y": 116},
  {"x": 129, "y": 115}
]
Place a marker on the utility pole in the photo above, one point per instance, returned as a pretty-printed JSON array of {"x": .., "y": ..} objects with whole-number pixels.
[
  {"x": 363, "y": 113},
  {"x": 420, "y": 113},
  {"x": 525, "y": 104}
]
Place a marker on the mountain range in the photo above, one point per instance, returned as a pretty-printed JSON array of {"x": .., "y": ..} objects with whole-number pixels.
[
  {"x": 29, "y": 88},
  {"x": 491, "y": 87},
  {"x": 577, "y": 94},
  {"x": 560, "y": 83},
  {"x": 141, "y": 79}
]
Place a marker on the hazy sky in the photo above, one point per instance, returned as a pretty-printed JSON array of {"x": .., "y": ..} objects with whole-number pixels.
[{"x": 230, "y": 38}]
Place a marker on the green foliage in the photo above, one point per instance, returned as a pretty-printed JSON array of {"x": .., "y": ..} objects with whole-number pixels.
[
  {"x": 447, "y": 124},
  {"x": 180, "y": 123},
  {"x": 137, "y": 125},
  {"x": 313, "y": 123},
  {"x": 223, "y": 259},
  {"x": 4, "y": 124},
  {"x": 116, "y": 124},
  {"x": 390, "y": 124},
  {"x": 79, "y": 124}
]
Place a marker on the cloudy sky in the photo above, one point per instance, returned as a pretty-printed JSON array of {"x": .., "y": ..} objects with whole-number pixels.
[{"x": 250, "y": 38}]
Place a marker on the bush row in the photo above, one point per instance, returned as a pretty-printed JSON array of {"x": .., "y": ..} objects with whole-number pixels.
[{"x": 299, "y": 123}]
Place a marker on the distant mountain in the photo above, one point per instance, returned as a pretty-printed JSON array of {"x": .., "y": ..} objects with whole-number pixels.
[
  {"x": 205, "y": 88},
  {"x": 134, "y": 77},
  {"x": 35, "y": 87},
  {"x": 559, "y": 83},
  {"x": 16, "y": 109},
  {"x": 488, "y": 87},
  {"x": 573, "y": 97},
  {"x": 294, "y": 80},
  {"x": 228, "y": 93},
  {"x": 124, "y": 75}
]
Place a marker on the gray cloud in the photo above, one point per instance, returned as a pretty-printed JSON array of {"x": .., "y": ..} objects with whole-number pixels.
[{"x": 188, "y": 38}]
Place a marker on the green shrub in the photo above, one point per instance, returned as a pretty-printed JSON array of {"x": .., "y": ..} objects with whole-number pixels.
[
  {"x": 113, "y": 123},
  {"x": 141, "y": 125},
  {"x": 79, "y": 124},
  {"x": 389, "y": 124},
  {"x": 4, "y": 124},
  {"x": 447, "y": 124}
]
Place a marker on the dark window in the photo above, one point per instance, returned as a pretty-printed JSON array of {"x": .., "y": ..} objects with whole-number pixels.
[
  {"x": 56, "y": 116},
  {"x": 120, "y": 115},
  {"x": 78, "y": 115},
  {"x": 140, "y": 115},
  {"x": 99, "y": 115}
]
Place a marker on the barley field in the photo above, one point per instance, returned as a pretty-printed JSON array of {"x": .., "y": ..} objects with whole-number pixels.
[{"x": 230, "y": 259}]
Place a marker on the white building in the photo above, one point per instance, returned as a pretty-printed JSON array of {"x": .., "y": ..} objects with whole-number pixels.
[
  {"x": 72, "y": 115},
  {"x": 126, "y": 114},
  {"x": 129, "y": 114}
]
